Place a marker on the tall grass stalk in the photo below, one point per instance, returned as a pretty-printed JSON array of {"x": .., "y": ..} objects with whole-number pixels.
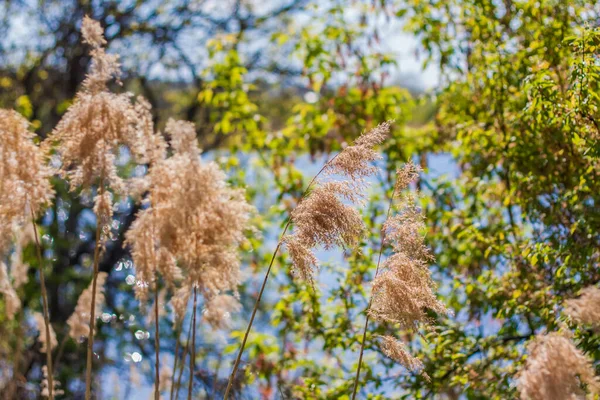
[
  {"x": 90, "y": 347},
  {"x": 186, "y": 349},
  {"x": 45, "y": 307},
  {"x": 193, "y": 349},
  {"x": 156, "y": 338},
  {"x": 175, "y": 357}
]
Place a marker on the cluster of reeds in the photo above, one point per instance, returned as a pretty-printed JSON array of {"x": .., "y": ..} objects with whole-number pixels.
[
  {"x": 187, "y": 236},
  {"x": 188, "y": 231}
]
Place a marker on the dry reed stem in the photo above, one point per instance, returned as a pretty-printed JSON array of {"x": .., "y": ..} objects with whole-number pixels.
[
  {"x": 45, "y": 307},
  {"x": 177, "y": 334},
  {"x": 193, "y": 353},
  {"x": 156, "y": 338},
  {"x": 183, "y": 358},
  {"x": 90, "y": 347}
]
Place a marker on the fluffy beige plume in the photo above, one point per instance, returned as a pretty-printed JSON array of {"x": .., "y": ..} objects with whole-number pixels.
[
  {"x": 403, "y": 231},
  {"x": 103, "y": 208},
  {"x": 193, "y": 226},
  {"x": 39, "y": 320},
  {"x": 323, "y": 217},
  {"x": 18, "y": 268},
  {"x": 162, "y": 309},
  {"x": 326, "y": 216},
  {"x": 24, "y": 176},
  {"x": 406, "y": 175},
  {"x": 586, "y": 308},
  {"x": 555, "y": 370},
  {"x": 304, "y": 260},
  {"x": 92, "y": 32},
  {"x": 218, "y": 309},
  {"x": 55, "y": 390},
  {"x": 141, "y": 237},
  {"x": 79, "y": 321},
  {"x": 12, "y": 304},
  {"x": 179, "y": 302},
  {"x": 97, "y": 124},
  {"x": 396, "y": 350},
  {"x": 356, "y": 161},
  {"x": 403, "y": 290}
]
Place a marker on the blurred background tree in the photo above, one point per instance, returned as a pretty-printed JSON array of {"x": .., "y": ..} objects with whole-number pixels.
[{"x": 509, "y": 141}]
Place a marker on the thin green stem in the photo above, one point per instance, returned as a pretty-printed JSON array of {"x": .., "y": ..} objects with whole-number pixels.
[{"x": 45, "y": 307}]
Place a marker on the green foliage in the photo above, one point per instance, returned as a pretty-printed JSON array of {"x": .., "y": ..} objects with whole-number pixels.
[
  {"x": 517, "y": 230},
  {"x": 226, "y": 96}
]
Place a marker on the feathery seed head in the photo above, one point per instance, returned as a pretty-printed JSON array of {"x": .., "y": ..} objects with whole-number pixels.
[
  {"x": 555, "y": 370},
  {"x": 104, "y": 66},
  {"x": 355, "y": 161},
  {"x": 406, "y": 175},
  {"x": 304, "y": 261},
  {"x": 12, "y": 304},
  {"x": 79, "y": 321},
  {"x": 403, "y": 291},
  {"x": 90, "y": 135},
  {"x": 396, "y": 350},
  {"x": 98, "y": 123},
  {"x": 218, "y": 309},
  {"x": 183, "y": 136},
  {"x": 194, "y": 223},
  {"x": 56, "y": 391},
  {"x": 586, "y": 308},
  {"x": 24, "y": 176},
  {"x": 41, "y": 326},
  {"x": 92, "y": 32},
  {"x": 324, "y": 217},
  {"x": 403, "y": 232}
]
